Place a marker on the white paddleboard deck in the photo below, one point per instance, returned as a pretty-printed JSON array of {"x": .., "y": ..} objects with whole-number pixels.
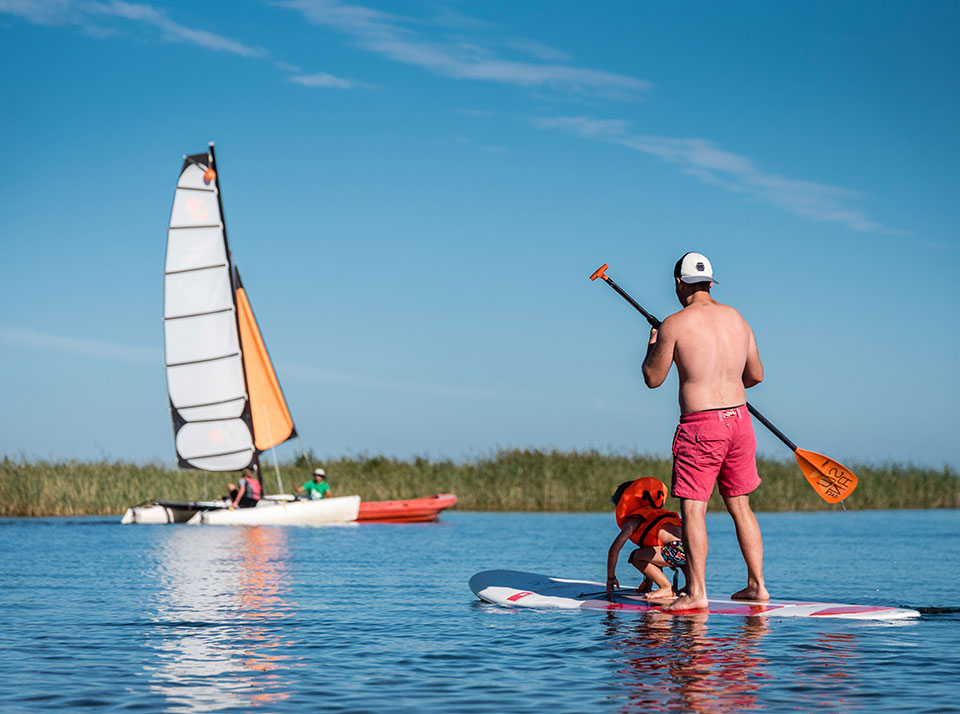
[{"x": 512, "y": 588}]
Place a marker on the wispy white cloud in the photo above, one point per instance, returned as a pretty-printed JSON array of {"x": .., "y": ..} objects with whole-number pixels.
[
  {"x": 85, "y": 347},
  {"x": 321, "y": 79},
  {"x": 705, "y": 161},
  {"x": 171, "y": 31},
  {"x": 90, "y": 17},
  {"x": 42, "y": 12},
  {"x": 401, "y": 39},
  {"x": 101, "y": 20}
]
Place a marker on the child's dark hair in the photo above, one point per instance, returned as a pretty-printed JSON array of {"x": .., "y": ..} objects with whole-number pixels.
[{"x": 615, "y": 498}]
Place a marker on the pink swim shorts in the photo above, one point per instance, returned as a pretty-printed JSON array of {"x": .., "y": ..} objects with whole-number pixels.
[{"x": 714, "y": 446}]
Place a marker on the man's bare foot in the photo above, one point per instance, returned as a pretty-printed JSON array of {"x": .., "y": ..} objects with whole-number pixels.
[
  {"x": 660, "y": 594},
  {"x": 752, "y": 592},
  {"x": 686, "y": 602}
]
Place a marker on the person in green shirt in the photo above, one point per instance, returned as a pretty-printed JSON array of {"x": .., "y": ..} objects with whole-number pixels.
[{"x": 317, "y": 488}]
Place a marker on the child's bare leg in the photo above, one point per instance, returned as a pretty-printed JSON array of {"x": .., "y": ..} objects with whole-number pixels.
[
  {"x": 650, "y": 562},
  {"x": 639, "y": 559},
  {"x": 664, "y": 590}
]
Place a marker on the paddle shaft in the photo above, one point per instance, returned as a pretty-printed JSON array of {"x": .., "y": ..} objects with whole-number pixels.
[{"x": 654, "y": 322}]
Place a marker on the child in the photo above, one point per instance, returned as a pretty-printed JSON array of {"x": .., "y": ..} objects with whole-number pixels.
[{"x": 643, "y": 520}]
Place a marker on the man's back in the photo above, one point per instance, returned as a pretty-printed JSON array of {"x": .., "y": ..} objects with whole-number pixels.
[
  {"x": 715, "y": 353},
  {"x": 712, "y": 344}
]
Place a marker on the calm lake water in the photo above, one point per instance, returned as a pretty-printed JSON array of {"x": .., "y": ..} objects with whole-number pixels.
[{"x": 374, "y": 618}]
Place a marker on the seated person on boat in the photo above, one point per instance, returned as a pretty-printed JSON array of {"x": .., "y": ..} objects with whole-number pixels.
[
  {"x": 247, "y": 491},
  {"x": 317, "y": 488}
]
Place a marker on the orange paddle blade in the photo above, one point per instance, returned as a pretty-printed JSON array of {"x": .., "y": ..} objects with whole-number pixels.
[{"x": 829, "y": 478}]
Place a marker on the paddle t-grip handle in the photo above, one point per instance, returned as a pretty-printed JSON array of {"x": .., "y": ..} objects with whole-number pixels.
[{"x": 601, "y": 273}]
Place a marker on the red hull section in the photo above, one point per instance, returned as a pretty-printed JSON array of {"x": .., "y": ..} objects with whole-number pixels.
[{"x": 414, "y": 510}]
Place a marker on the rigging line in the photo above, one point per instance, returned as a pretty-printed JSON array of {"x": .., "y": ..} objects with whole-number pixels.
[
  {"x": 194, "y": 188},
  {"x": 181, "y": 228},
  {"x": 201, "y": 361},
  {"x": 303, "y": 452},
  {"x": 273, "y": 452},
  {"x": 198, "y": 314},
  {"x": 191, "y": 270}
]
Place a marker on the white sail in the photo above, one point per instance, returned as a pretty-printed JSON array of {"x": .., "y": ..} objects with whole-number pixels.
[{"x": 204, "y": 365}]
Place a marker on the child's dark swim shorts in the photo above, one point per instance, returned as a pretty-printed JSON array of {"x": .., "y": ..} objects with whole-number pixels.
[{"x": 673, "y": 553}]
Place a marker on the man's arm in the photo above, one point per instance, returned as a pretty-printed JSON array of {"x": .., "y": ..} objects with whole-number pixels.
[
  {"x": 753, "y": 369},
  {"x": 656, "y": 364}
]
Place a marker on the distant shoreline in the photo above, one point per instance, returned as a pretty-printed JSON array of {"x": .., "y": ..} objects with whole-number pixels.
[{"x": 512, "y": 480}]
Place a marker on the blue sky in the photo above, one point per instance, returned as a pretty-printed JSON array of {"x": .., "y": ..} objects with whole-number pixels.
[{"x": 416, "y": 194}]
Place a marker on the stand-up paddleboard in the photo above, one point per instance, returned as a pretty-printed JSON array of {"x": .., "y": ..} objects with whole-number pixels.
[{"x": 512, "y": 588}]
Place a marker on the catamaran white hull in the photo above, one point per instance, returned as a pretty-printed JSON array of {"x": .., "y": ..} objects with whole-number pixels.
[
  {"x": 162, "y": 513},
  {"x": 269, "y": 512},
  {"x": 284, "y": 513}
]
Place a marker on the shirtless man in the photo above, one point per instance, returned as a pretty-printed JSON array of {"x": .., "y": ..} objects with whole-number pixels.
[{"x": 717, "y": 359}]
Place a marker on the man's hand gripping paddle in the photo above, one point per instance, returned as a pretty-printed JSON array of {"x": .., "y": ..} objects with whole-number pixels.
[{"x": 830, "y": 479}]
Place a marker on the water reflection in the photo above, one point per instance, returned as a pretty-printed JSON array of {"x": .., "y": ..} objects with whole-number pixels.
[
  {"x": 220, "y": 614},
  {"x": 671, "y": 664},
  {"x": 676, "y": 664}
]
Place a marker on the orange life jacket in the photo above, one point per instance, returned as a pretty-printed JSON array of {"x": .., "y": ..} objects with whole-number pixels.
[{"x": 644, "y": 499}]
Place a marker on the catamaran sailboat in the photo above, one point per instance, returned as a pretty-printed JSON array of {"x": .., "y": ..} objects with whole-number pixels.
[{"x": 225, "y": 400}]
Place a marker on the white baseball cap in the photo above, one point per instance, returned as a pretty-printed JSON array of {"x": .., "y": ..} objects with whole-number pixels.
[
  {"x": 319, "y": 472},
  {"x": 694, "y": 268}
]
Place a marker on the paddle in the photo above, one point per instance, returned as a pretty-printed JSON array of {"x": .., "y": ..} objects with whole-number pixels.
[{"x": 830, "y": 479}]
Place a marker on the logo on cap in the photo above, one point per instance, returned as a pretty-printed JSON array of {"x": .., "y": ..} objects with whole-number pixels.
[{"x": 700, "y": 267}]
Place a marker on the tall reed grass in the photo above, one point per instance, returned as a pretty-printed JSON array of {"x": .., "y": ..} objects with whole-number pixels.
[{"x": 514, "y": 480}]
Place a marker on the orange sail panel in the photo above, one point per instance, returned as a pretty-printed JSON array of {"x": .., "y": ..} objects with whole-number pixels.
[{"x": 272, "y": 423}]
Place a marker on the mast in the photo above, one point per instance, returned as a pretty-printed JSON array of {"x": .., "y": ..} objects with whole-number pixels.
[{"x": 234, "y": 280}]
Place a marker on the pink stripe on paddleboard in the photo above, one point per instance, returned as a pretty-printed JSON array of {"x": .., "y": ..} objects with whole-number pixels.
[
  {"x": 514, "y": 598},
  {"x": 746, "y": 609},
  {"x": 605, "y": 605},
  {"x": 847, "y": 610}
]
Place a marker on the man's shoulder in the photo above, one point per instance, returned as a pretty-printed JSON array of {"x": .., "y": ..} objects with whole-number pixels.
[{"x": 692, "y": 312}]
